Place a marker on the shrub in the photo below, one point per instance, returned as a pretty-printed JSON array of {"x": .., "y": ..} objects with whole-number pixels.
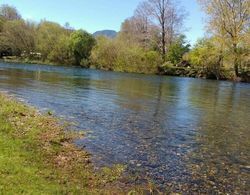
[{"x": 114, "y": 54}]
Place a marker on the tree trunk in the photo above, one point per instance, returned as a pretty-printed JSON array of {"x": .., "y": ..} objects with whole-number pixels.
[
  {"x": 236, "y": 63},
  {"x": 163, "y": 42},
  {"x": 236, "y": 69},
  {"x": 219, "y": 65}
]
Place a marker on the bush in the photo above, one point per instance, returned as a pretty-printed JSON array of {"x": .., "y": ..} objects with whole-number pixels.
[
  {"x": 120, "y": 56},
  {"x": 61, "y": 52},
  {"x": 81, "y": 43},
  {"x": 104, "y": 54},
  {"x": 177, "y": 50}
]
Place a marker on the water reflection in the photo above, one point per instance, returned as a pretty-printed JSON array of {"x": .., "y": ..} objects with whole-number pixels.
[
  {"x": 187, "y": 134},
  {"x": 221, "y": 162}
]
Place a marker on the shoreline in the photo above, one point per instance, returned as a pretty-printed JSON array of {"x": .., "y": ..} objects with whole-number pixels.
[
  {"x": 37, "y": 155},
  {"x": 16, "y": 61},
  {"x": 182, "y": 72}
]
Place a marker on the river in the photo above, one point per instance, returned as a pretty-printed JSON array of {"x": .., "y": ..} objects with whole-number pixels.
[{"x": 180, "y": 133}]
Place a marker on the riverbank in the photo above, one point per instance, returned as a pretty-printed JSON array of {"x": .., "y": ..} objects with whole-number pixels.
[
  {"x": 37, "y": 157},
  {"x": 26, "y": 61},
  {"x": 166, "y": 71},
  {"x": 193, "y": 72}
]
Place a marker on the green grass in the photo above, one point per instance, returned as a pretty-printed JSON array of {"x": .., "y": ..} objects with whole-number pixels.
[{"x": 37, "y": 157}]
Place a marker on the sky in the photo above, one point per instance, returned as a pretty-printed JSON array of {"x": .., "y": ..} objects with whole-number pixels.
[{"x": 94, "y": 15}]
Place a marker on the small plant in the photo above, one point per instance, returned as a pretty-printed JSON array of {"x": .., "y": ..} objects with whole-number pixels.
[{"x": 50, "y": 113}]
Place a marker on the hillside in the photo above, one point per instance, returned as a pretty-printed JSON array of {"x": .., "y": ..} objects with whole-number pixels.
[{"x": 107, "y": 33}]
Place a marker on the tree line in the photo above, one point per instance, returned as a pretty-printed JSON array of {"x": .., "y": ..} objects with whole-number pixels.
[
  {"x": 44, "y": 41},
  {"x": 228, "y": 43},
  {"x": 146, "y": 40},
  {"x": 150, "y": 41}
]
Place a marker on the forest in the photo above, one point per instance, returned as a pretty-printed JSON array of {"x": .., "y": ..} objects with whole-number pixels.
[{"x": 151, "y": 41}]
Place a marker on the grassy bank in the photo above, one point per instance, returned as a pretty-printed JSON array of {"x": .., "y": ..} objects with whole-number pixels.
[{"x": 38, "y": 157}]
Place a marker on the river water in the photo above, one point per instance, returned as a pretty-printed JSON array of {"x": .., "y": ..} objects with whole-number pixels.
[{"x": 182, "y": 134}]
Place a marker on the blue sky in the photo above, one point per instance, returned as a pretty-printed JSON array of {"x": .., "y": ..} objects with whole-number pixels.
[{"x": 93, "y": 15}]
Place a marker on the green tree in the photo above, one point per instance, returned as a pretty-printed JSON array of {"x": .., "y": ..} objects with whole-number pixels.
[
  {"x": 105, "y": 53},
  {"x": 206, "y": 55},
  {"x": 119, "y": 55},
  {"x": 61, "y": 52},
  {"x": 229, "y": 19},
  {"x": 48, "y": 36},
  {"x": 18, "y": 36},
  {"x": 81, "y": 44},
  {"x": 2, "y": 20},
  {"x": 7, "y": 13},
  {"x": 177, "y": 49}
]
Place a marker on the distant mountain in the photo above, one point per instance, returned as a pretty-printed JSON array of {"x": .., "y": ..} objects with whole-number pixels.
[{"x": 107, "y": 33}]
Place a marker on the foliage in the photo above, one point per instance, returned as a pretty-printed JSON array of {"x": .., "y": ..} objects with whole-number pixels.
[
  {"x": 146, "y": 40},
  {"x": 46, "y": 41},
  {"x": 245, "y": 51},
  {"x": 19, "y": 36},
  {"x": 61, "y": 52},
  {"x": 177, "y": 50},
  {"x": 206, "y": 55},
  {"x": 105, "y": 53},
  {"x": 201, "y": 53},
  {"x": 118, "y": 55},
  {"x": 81, "y": 44},
  {"x": 228, "y": 19},
  {"x": 48, "y": 36},
  {"x": 2, "y": 20}
]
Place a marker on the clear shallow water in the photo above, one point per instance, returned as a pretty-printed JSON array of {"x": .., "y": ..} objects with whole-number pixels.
[{"x": 179, "y": 132}]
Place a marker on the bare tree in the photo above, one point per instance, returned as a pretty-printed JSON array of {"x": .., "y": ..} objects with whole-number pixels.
[
  {"x": 9, "y": 12},
  {"x": 168, "y": 16},
  {"x": 139, "y": 28},
  {"x": 143, "y": 23},
  {"x": 229, "y": 19}
]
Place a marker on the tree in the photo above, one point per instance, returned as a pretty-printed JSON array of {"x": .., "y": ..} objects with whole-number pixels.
[
  {"x": 245, "y": 56},
  {"x": 61, "y": 52},
  {"x": 145, "y": 28},
  {"x": 177, "y": 49},
  {"x": 206, "y": 55},
  {"x": 9, "y": 12},
  {"x": 81, "y": 44},
  {"x": 2, "y": 20},
  {"x": 139, "y": 29},
  {"x": 118, "y": 55},
  {"x": 230, "y": 19},
  {"x": 18, "y": 36},
  {"x": 169, "y": 18},
  {"x": 105, "y": 53},
  {"x": 48, "y": 36}
]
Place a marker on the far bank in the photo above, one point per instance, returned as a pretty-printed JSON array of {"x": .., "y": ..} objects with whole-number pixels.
[{"x": 180, "y": 70}]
